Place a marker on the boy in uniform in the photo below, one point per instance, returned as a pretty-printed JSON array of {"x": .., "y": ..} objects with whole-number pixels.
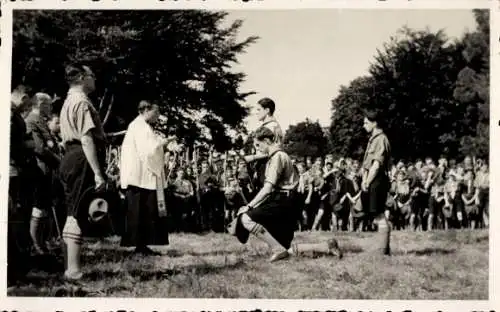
[
  {"x": 375, "y": 184},
  {"x": 272, "y": 214}
]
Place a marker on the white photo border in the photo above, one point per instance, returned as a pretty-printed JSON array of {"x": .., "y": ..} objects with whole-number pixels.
[{"x": 133, "y": 304}]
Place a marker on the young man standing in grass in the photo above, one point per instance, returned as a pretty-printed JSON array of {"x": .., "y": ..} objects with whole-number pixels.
[
  {"x": 375, "y": 183},
  {"x": 83, "y": 163}
]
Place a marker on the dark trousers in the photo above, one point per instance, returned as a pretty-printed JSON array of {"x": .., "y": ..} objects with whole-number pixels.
[
  {"x": 279, "y": 216},
  {"x": 212, "y": 209},
  {"x": 76, "y": 177},
  {"x": 312, "y": 210},
  {"x": 375, "y": 198}
]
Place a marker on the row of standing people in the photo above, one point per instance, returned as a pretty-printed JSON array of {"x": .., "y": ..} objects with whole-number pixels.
[
  {"x": 421, "y": 197},
  {"x": 35, "y": 192}
]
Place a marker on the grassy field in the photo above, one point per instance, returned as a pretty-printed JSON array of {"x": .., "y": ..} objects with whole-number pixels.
[{"x": 425, "y": 265}]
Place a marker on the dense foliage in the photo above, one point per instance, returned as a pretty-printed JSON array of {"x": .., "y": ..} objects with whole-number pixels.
[
  {"x": 305, "y": 139},
  {"x": 180, "y": 59},
  {"x": 432, "y": 94}
]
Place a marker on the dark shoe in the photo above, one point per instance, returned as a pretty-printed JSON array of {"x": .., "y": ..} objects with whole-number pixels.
[
  {"x": 146, "y": 251},
  {"x": 387, "y": 252},
  {"x": 282, "y": 255}
]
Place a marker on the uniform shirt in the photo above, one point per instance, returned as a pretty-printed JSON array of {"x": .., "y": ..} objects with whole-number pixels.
[
  {"x": 21, "y": 156},
  {"x": 273, "y": 125},
  {"x": 468, "y": 189},
  {"x": 482, "y": 180},
  {"x": 207, "y": 181},
  {"x": 38, "y": 129},
  {"x": 78, "y": 116},
  {"x": 243, "y": 176},
  {"x": 280, "y": 171},
  {"x": 183, "y": 187},
  {"x": 304, "y": 183},
  {"x": 316, "y": 179},
  {"x": 403, "y": 190},
  {"x": 378, "y": 149}
]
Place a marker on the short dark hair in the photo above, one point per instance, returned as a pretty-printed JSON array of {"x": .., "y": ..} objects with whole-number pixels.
[
  {"x": 267, "y": 103},
  {"x": 373, "y": 116},
  {"x": 74, "y": 72},
  {"x": 264, "y": 133},
  {"x": 144, "y": 105}
]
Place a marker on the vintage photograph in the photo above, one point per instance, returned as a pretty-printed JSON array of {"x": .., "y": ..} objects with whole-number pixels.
[{"x": 261, "y": 154}]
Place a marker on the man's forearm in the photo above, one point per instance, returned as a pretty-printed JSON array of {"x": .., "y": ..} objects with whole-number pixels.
[
  {"x": 373, "y": 172},
  {"x": 251, "y": 158},
  {"x": 90, "y": 152},
  {"x": 364, "y": 176}
]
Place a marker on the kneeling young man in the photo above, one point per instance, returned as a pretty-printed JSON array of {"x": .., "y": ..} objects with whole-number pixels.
[{"x": 272, "y": 215}]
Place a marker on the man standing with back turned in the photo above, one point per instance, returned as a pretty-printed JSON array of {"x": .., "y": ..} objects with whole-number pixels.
[
  {"x": 82, "y": 167},
  {"x": 375, "y": 184}
]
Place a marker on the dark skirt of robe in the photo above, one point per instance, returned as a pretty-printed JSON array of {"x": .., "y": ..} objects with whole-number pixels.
[{"x": 143, "y": 225}]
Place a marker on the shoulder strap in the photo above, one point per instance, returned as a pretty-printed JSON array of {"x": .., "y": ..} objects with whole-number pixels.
[{"x": 272, "y": 154}]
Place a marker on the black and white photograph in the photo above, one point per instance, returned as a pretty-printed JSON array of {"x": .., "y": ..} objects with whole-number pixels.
[{"x": 335, "y": 153}]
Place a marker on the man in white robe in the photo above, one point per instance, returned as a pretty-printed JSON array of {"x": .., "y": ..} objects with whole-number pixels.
[{"x": 142, "y": 175}]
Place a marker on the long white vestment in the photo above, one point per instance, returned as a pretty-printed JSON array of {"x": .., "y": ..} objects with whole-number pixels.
[{"x": 142, "y": 160}]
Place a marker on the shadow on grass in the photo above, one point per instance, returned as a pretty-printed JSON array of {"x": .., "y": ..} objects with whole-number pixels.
[
  {"x": 53, "y": 285},
  {"x": 345, "y": 250},
  {"x": 427, "y": 252},
  {"x": 213, "y": 253},
  {"x": 117, "y": 255},
  {"x": 351, "y": 249},
  {"x": 114, "y": 255},
  {"x": 147, "y": 275},
  {"x": 43, "y": 268}
]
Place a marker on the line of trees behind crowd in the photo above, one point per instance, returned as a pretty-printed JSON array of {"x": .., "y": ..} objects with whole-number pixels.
[{"x": 432, "y": 92}]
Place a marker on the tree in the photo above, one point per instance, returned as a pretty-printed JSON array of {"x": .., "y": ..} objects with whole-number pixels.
[
  {"x": 347, "y": 133},
  {"x": 179, "y": 59},
  {"x": 411, "y": 84},
  {"x": 305, "y": 139},
  {"x": 472, "y": 86}
]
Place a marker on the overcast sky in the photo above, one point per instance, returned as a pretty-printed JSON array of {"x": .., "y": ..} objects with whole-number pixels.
[{"x": 304, "y": 56}]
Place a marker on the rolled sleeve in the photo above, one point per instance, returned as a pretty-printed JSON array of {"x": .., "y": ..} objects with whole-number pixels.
[
  {"x": 273, "y": 170},
  {"x": 84, "y": 121},
  {"x": 379, "y": 152}
]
